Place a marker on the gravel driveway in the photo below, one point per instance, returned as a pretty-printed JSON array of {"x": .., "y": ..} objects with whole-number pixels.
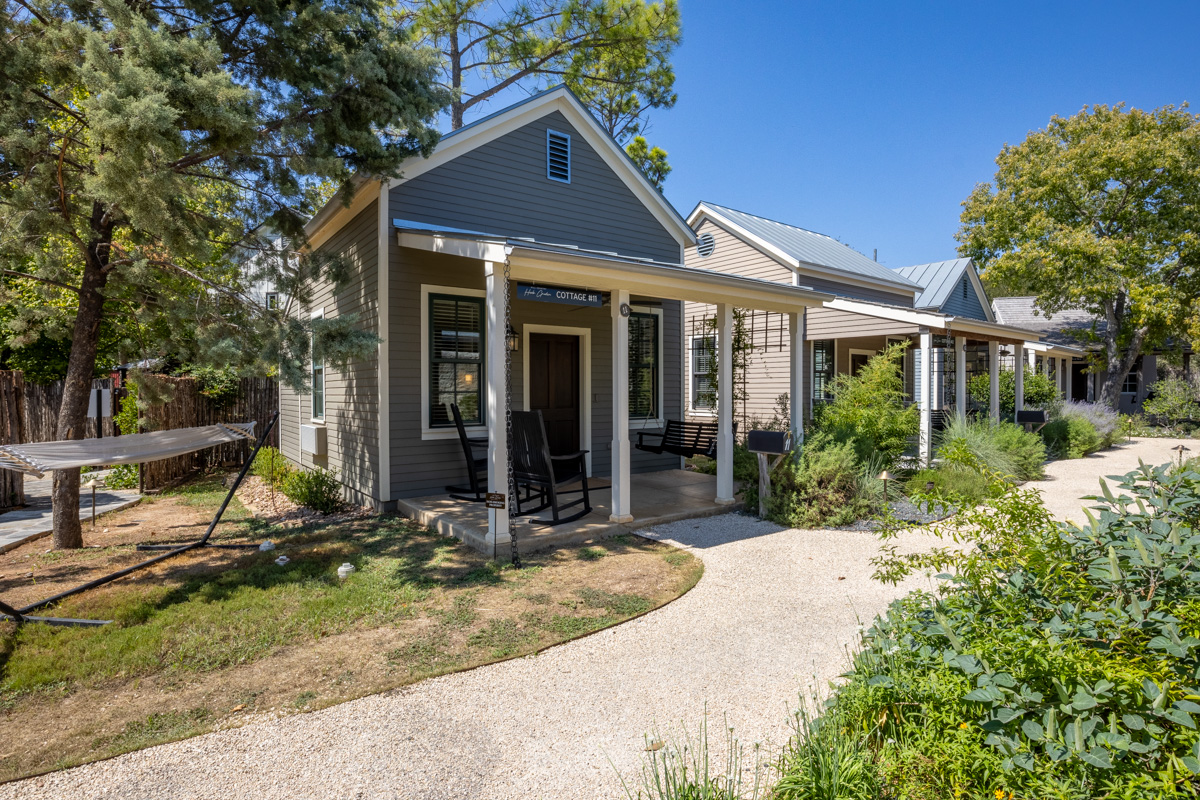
[{"x": 773, "y": 614}]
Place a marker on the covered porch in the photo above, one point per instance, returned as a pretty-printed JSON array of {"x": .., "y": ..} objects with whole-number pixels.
[
  {"x": 947, "y": 351},
  {"x": 625, "y": 284}
]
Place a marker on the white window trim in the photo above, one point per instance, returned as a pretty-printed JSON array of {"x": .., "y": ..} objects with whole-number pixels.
[
  {"x": 812, "y": 368},
  {"x": 318, "y": 313},
  {"x": 855, "y": 352},
  {"x": 428, "y": 433},
  {"x": 658, "y": 421},
  {"x": 692, "y": 410},
  {"x": 551, "y": 132},
  {"x": 585, "y": 377}
]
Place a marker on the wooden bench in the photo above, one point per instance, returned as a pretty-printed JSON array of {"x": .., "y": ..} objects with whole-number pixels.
[{"x": 681, "y": 438}]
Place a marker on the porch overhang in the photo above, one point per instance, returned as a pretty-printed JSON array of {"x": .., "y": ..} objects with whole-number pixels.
[
  {"x": 980, "y": 330},
  {"x": 1051, "y": 350},
  {"x": 558, "y": 264}
]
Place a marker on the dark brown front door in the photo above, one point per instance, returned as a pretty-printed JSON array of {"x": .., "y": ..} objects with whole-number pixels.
[{"x": 554, "y": 388}]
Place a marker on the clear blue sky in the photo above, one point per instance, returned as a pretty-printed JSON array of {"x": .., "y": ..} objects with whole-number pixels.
[{"x": 871, "y": 122}]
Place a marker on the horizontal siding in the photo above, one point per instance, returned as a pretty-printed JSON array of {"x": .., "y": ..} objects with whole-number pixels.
[
  {"x": 501, "y": 187},
  {"x": 826, "y": 323},
  {"x": 351, "y": 395},
  {"x": 970, "y": 307},
  {"x": 735, "y": 256},
  {"x": 422, "y": 466}
]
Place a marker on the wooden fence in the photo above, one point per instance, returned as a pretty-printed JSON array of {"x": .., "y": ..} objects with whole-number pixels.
[{"x": 29, "y": 413}]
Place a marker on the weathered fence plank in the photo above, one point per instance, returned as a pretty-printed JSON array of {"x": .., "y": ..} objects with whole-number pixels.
[{"x": 12, "y": 423}]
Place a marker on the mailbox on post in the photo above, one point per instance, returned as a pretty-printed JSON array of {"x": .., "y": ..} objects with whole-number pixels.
[
  {"x": 764, "y": 444},
  {"x": 1034, "y": 419}
]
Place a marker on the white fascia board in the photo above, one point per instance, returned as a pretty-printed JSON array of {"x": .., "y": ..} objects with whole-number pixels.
[
  {"x": 561, "y": 100},
  {"x": 995, "y": 329},
  {"x": 449, "y": 245},
  {"x": 334, "y": 216},
  {"x": 893, "y": 313},
  {"x": 702, "y": 212}
]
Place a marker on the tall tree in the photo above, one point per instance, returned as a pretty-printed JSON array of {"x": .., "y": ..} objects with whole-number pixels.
[
  {"x": 614, "y": 54},
  {"x": 145, "y": 146},
  {"x": 1099, "y": 211}
]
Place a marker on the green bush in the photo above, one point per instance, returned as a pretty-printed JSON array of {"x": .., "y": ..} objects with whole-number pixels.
[
  {"x": 1071, "y": 437},
  {"x": 1003, "y": 447},
  {"x": 822, "y": 488},
  {"x": 1056, "y": 661},
  {"x": 1040, "y": 391},
  {"x": 1173, "y": 402},
  {"x": 123, "y": 476},
  {"x": 869, "y": 410},
  {"x": 318, "y": 489},
  {"x": 953, "y": 483},
  {"x": 271, "y": 465}
]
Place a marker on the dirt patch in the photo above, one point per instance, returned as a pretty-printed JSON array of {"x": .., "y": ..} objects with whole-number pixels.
[
  {"x": 446, "y": 608},
  {"x": 265, "y": 502}
]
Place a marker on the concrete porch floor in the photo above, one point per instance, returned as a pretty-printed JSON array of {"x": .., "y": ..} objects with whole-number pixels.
[{"x": 657, "y": 498}]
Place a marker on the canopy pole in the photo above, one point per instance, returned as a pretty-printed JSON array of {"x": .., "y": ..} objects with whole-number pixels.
[{"x": 148, "y": 562}]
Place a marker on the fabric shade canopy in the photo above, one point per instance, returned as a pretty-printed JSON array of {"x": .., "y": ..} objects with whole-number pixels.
[{"x": 38, "y": 459}]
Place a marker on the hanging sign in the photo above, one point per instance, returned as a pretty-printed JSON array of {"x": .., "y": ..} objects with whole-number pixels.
[{"x": 560, "y": 294}]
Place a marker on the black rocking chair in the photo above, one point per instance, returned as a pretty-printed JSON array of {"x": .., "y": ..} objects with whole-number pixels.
[
  {"x": 476, "y": 465},
  {"x": 542, "y": 475}
]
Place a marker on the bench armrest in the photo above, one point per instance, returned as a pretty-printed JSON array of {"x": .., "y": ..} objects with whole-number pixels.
[
  {"x": 660, "y": 435},
  {"x": 569, "y": 456}
]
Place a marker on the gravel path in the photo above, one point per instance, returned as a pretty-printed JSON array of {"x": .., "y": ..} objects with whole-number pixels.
[
  {"x": 1068, "y": 482},
  {"x": 774, "y": 614}
]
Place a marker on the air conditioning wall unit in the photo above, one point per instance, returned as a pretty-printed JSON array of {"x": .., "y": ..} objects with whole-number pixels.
[{"x": 312, "y": 439}]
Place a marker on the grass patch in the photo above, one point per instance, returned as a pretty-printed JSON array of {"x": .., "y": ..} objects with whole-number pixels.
[
  {"x": 303, "y": 699},
  {"x": 502, "y": 637},
  {"x": 156, "y": 729},
  {"x": 461, "y": 612},
  {"x": 619, "y": 605},
  {"x": 678, "y": 558},
  {"x": 591, "y": 553},
  {"x": 426, "y": 656}
]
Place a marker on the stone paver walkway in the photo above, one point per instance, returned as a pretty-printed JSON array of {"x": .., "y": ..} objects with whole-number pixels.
[{"x": 34, "y": 521}]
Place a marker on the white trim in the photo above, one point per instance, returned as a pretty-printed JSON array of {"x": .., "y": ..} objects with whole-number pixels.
[
  {"x": 980, "y": 292},
  {"x": 383, "y": 264},
  {"x": 450, "y": 245},
  {"x": 559, "y": 99},
  {"x": 658, "y": 420},
  {"x": 690, "y": 344},
  {"x": 854, "y": 352},
  {"x": 585, "y": 377},
  {"x": 796, "y": 265},
  {"x": 428, "y": 433},
  {"x": 317, "y": 313},
  {"x": 932, "y": 319}
]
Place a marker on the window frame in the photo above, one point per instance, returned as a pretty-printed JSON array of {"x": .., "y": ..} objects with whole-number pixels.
[
  {"x": 313, "y": 369},
  {"x": 271, "y": 301},
  {"x": 692, "y": 373},
  {"x": 430, "y": 432},
  {"x": 812, "y": 360},
  {"x": 1135, "y": 372},
  {"x": 658, "y": 420}
]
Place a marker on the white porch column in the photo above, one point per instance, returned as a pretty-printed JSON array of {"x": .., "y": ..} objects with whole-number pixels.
[
  {"x": 960, "y": 375},
  {"x": 994, "y": 379},
  {"x": 496, "y": 393},
  {"x": 620, "y": 442},
  {"x": 1046, "y": 365},
  {"x": 796, "y": 325},
  {"x": 925, "y": 398},
  {"x": 724, "y": 404},
  {"x": 1019, "y": 374},
  {"x": 1064, "y": 376}
]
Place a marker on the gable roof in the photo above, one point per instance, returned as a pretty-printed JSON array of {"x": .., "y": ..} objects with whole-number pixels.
[
  {"x": 558, "y": 98},
  {"x": 939, "y": 278},
  {"x": 795, "y": 247},
  {"x": 1022, "y": 312}
]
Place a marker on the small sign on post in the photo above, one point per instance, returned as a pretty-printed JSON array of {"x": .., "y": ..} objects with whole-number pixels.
[{"x": 496, "y": 500}]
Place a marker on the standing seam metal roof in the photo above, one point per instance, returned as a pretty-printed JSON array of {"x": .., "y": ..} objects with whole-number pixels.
[
  {"x": 812, "y": 248},
  {"x": 936, "y": 280}
]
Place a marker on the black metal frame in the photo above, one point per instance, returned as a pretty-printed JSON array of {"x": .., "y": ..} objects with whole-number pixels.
[
  {"x": 475, "y": 492},
  {"x": 541, "y": 474},
  {"x": 21, "y": 615}
]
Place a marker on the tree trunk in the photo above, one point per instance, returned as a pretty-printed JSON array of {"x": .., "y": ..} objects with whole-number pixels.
[
  {"x": 457, "y": 106},
  {"x": 72, "y": 414}
]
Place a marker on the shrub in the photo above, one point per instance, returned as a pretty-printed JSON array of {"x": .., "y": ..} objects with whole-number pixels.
[
  {"x": 822, "y": 488},
  {"x": 1003, "y": 447},
  {"x": 952, "y": 483},
  {"x": 1071, "y": 437},
  {"x": 271, "y": 465},
  {"x": 1105, "y": 420},
  {"x": 318, "y": 489},
  {"x": 1040, "y": 391},
  {"x": 868, "y": 410},
  {"x": 1173, "y": 401},
  {"x": 123, "y": 476},
  {"x": 1060, "y": 661}
]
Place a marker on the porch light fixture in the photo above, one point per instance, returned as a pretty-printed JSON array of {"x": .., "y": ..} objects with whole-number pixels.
[
  {"x": 1180, "y": 450},
  {"x": 92, "y": 484},
  {"x": 1004, "y": 352},
  {"x": 513, "y": 339}
]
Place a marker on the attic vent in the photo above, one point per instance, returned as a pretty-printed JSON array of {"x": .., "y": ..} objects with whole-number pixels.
[
  {"x": 558, "y": 156},
  {"x": 964, "y": 288},
  {"x": 706, "y": 244}
]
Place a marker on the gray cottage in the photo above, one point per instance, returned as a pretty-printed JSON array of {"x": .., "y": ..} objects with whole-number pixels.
[{"x": 527, "y": 237}]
